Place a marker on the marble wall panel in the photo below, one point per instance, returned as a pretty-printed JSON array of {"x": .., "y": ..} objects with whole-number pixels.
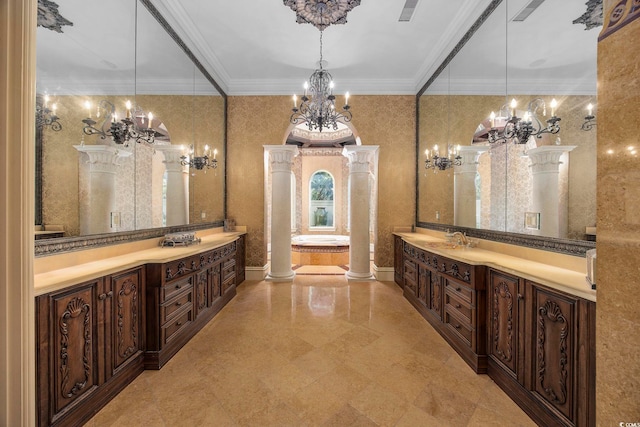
[{"x": 618, "y": 245}]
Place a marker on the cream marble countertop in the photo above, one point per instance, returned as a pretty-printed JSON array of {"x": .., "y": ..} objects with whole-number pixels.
[
  {"x": 64, "y": 277},
  {"x": 569, "y": 281}
]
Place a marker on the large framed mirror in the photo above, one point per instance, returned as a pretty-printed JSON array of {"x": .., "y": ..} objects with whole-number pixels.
[
  {"x": 91, "y": 72},
  {"x": 540, "y": 191}
]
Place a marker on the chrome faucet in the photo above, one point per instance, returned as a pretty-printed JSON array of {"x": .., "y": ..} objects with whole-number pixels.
[{"x": 461, "y": 238}]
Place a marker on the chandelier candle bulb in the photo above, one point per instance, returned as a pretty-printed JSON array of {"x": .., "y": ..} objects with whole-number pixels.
[
  {"x": 513, "y": 105},
  {"x": 215, "y": 153},
  {"x": 150, "y": 120},
  {"x": 492, "y": 117},
  {"x": 87, "y": 105},
  {"x": 346, "y": 98},
  {"x": 54, "y": 107},
  {"x": 306, "y": 87},
  {"x": 128, "y": 107},
  {"x": 590, "y": 109},
  {"x": 46, "y": 100},
  {"x": 295, "y": 99},
  {"x": 554, "y": 104}
]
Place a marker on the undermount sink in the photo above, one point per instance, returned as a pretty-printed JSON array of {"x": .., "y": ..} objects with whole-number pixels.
[{"x": 442, "y": 245}]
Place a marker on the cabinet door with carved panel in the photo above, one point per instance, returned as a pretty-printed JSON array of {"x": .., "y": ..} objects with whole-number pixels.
[
  {"x": 240, "y": 260},
  {"x": 435, "y": 293},
  {"x": 67, "y": 349},
  {"x": 554, "y": 358},
  {"x": 398, "y": 259},
  {"x": 202, "y": 291},
  {"x": 215, "y": 276},
  {"x": 126, "y": 335},
  {"x": 504, "y": 344},
  {"x": 424, "y": 276}
]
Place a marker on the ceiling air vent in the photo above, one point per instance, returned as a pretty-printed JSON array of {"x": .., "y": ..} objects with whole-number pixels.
[
  {"x": 527, "y": 10},
  {"x": 407, "y": 10}
]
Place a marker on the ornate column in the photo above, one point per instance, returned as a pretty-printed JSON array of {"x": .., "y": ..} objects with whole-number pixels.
[
  {"x": 464, "y": 187},
  {"x": 95, "y": 218},
  {"x": 177, "y": 206},
  {"x": 361, "y": 158},
  {"x": 280, "y": 162},
  {"x": 546, "y": 189}
]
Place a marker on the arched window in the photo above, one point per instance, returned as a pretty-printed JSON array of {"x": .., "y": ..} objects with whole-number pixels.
[{"x": 321, "y": 200}]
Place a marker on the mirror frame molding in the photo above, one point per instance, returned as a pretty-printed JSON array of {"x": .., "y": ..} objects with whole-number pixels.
[
  {"x": 552, "y": 244},
  {"x": 61, "y": 245}
]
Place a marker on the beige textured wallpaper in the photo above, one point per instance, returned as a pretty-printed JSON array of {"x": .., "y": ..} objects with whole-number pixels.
[
  {"x": 387, "y": 121},
  {"x": 467, "y": 111},
  {"x": 64, "y": 194}
]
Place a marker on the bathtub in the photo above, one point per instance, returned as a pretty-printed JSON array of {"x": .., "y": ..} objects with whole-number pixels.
[{"x": 320, "y": 249}]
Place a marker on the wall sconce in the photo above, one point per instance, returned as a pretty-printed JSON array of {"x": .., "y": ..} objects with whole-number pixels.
[
  {"x": 589, "y": 119},
  {"x": 437, "y": 162},
  {"x": 46, "y": 116},
  {"x": 120, "y": 131},
  {"x": 200, "y": 162},
  {"x": 520, "y": 130}
]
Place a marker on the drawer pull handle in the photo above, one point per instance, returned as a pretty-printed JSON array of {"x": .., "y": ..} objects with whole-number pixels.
[
  {"x": 458, "y": 306},
  {"x": 456, "y": 326},
  {"x": 178, "y": 286},
  {"x": 520, "y": 297},
  {"x": 178, "y": 323},
  {"x": 458, "y": 289},
  {"x": 103, "y": 297},
  {"x": 179, "y": 303}
]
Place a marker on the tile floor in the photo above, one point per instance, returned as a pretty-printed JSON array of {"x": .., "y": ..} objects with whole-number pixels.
[{"x": 318, "y": 351}]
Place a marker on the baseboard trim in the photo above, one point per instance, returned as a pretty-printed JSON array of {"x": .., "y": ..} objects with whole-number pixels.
[
  {"x": 383, "y": 274},
  {"x": 256, "y": 273}
]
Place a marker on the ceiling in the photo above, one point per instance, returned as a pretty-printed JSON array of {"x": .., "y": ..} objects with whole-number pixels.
[{"x": 255, "y": 47}]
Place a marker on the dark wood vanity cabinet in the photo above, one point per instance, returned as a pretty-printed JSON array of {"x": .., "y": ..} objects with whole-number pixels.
[
  {"x": 398, "y": 260},
  {"x": 451, "y": 296},
  {"x": 89, "y": 345},
  {"x": 94, "y": 338},
  {"x": 542, "y": 350},
  {"x": 183, "y": 295}
]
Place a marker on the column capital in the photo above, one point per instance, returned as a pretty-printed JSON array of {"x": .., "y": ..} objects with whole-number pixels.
[
  {"x": 281, "y": 156},
  {"x": 172, "y": 157},
  {"x": 359, "y": 156},
  {"x": 546, "y": 159},
  {"x": 103, "y": 158},
  {"x": 470, "y": 155}
]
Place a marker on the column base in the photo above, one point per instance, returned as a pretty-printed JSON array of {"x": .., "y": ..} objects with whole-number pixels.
[
  {"x": 362, "y": 277},
  {"x": 280, "y": 277}
]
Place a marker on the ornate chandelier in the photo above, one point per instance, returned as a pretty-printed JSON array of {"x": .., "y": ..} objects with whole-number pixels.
[
  {"x": 200, "y": 162},
  {"x": 46, "y": 116},
  {"x": 321, "y": 13},
  {"x": 120, "y": 131},
  {"x": 317, "y": 107},
  {"x": 520, "y": 130},
  {"x": 436, "y": 162}
]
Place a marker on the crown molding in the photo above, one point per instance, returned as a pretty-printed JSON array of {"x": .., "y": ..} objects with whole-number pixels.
[
  {"x": 463, "y": 20},
  {"x": 179, "y": 20},
  {"x": 263, "y": 87},
  {"x": 497, "y": 86},
  {"x": 126, "y": 87}
]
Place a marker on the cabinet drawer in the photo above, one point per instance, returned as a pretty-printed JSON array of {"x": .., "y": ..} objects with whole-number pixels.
[
  {"x": 462, "y": 292},
  {"x": 462, "y": 329},
  {"x": 228, "y": 269},
  {"x": 172, "y": 328},
  {"x": 169, "y": 308},
  {"x": 227, "y": 284},
  {"x": 169, "y": 291},
  {"x": 462, "y": 309}
]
